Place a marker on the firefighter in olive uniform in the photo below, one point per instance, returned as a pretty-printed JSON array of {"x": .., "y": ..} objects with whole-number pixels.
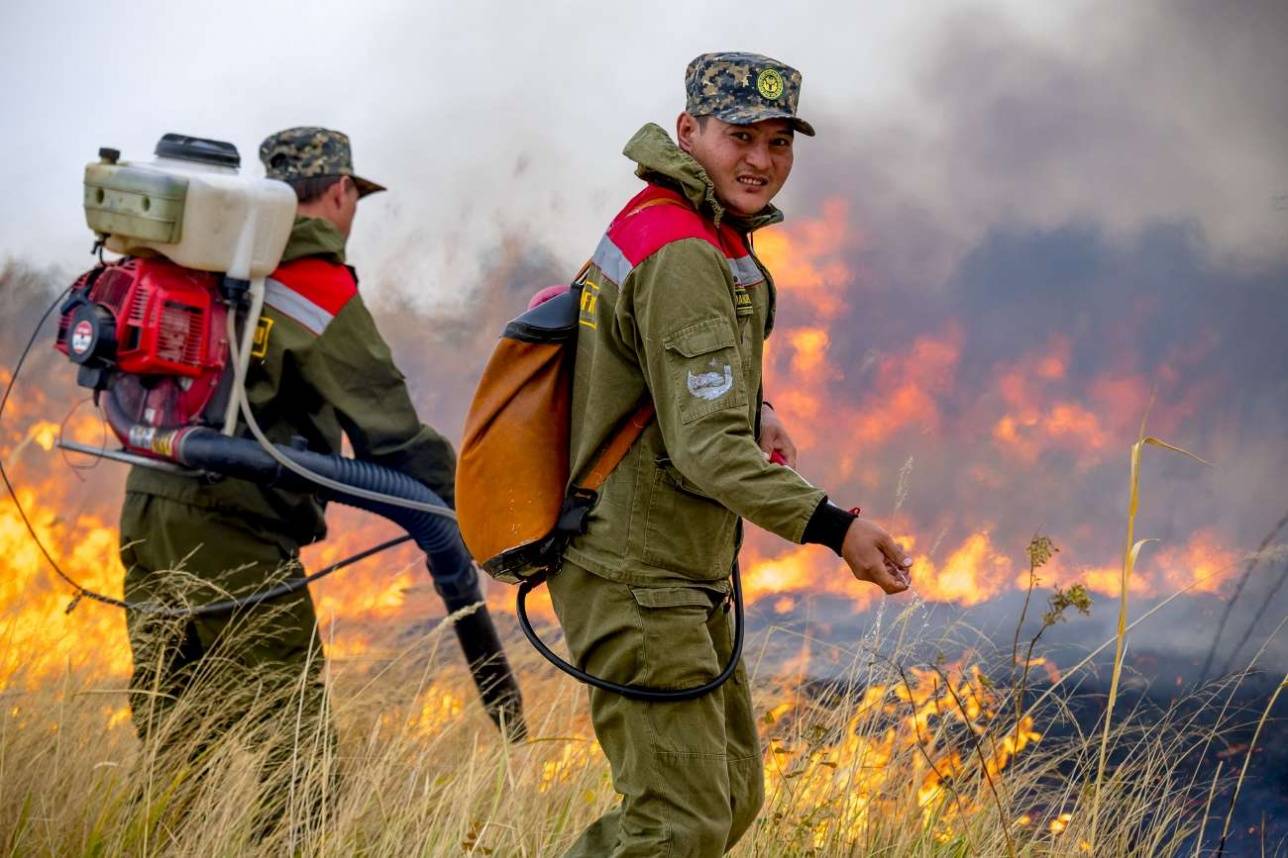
[
  {"x": 319, "y": 370},
  {"x": 676, "y": 307}
]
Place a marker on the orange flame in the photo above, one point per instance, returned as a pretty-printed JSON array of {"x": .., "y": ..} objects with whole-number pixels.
[
  {"x": 848, "y": 418},
  {"x": 837, "y": 784}
]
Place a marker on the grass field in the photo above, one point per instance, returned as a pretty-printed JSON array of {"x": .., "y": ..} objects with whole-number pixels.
[
  {"x": 921, "y": 741},
  {"x": 892, "y": 758}
]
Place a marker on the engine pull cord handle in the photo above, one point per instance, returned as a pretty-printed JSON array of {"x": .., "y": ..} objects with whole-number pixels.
[{"x": 239, "y": 396}]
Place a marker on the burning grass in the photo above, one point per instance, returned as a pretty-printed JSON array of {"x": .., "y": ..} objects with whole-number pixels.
[{"x": 897, "y": 754}]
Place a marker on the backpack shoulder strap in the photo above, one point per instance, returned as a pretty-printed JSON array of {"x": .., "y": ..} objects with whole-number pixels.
[
  {"x": 648, "y": 204},
  {"x": 612, "y": 453},
  {"x": 582, "y": 496}
]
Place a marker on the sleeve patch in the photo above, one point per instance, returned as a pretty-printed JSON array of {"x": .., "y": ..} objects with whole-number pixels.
[{"x": 707, "y": 368}]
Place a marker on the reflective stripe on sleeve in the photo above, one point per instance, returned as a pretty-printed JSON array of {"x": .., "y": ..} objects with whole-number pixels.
[
  {"x": 745, "y": 271},
  {"x": 609, "y": 259},
  {"x": 292, "y": 304}
]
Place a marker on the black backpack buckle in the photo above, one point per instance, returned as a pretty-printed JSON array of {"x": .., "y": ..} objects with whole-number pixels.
[{"x": 573, "y": 514}]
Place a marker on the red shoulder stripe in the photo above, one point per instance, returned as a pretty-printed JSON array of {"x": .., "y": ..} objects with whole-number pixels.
[
  {"x": 654, "y": 218},
  {"x": 657, "y": 216},
  {"x": 326, "y": 284}
]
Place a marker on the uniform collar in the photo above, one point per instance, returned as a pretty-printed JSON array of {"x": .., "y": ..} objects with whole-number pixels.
[
  {"x": 314, "y": 236},
  {"x": 659, "y": 160}
]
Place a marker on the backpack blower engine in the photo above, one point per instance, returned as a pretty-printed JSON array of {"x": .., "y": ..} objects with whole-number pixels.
[
  {"x": 154, "y": 335},
  {"x": 148, "y": 336}
]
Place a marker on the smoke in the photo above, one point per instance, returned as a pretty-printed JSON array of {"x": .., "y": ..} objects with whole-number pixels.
[
  {"x": 1016, "y": 230},
  {"x": 1124, "y": 119}
]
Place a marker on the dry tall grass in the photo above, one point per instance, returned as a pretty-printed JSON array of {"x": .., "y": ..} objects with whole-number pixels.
[{"x": 895, "y": 757}]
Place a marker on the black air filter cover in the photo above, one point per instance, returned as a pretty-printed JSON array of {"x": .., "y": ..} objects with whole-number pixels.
[{"x": 198, "y": 149}]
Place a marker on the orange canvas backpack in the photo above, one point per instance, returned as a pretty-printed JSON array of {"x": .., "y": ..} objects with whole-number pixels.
[{"x": 513, "y": 499}]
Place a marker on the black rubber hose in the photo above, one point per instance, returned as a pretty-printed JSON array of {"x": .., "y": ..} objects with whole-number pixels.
[
  {"x": 450, "y": 565},
  {"x": 637, "y": 692}
]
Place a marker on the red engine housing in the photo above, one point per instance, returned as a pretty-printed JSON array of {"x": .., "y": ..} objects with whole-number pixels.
[{"x": 151, "y": 334}]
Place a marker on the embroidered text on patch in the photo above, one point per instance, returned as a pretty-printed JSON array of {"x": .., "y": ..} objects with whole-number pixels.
[{"x": 711, "y": 385}]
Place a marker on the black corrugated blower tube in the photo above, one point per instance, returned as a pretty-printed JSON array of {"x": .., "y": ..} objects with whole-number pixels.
[{"x": 453, "y": 572}]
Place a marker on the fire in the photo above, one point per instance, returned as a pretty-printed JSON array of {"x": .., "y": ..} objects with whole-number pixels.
[
  {"x": 927, "y": 724},
  {"x": 1064, "y": 423},
  {"x": 790, "y": 572},
  {"x": 438, "y": 706},
  {"x": 851, "y": 419},
  {"x": 804, "y": 570},
  {"x": 571, "y": 761},
  {"x": 1048, "y": 666},
  {"x": 808, "y": 257},
  {"x": 809, "y": 357},
  {"x": 1011, "y": 431},
  {"x": 43, "y": 433},
  {"x": 856, "y": 410},
  {"x": 1036, "y": 419},
  {"x": 41, "y": 636},
  {"x": 904, "y": 391},
  {"x": 1202, "y": 564},
  {"x": 1198, "y": 563},
  {"x": 972, "y": 574}
]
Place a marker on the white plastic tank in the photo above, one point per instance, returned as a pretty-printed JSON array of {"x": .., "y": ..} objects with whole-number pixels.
[{"x": 191, "y": 205}]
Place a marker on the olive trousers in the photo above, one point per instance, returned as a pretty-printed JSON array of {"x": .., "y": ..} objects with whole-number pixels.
[
  {"x": 690, "y": 774},
  {"x": 257, "y": 670}
]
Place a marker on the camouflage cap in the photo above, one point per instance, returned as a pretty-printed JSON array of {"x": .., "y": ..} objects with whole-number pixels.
[
  {"x": 302, "y": 153},
  {"x": 743, "y": 88}
]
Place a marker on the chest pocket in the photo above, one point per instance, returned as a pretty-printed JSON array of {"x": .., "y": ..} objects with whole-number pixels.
[{"x": 707, "y": 370}]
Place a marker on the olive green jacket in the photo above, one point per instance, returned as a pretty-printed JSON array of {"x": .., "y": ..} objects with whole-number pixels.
[
  {"x": 318, "y": 378},
  {"x": 677, "y": 326}
]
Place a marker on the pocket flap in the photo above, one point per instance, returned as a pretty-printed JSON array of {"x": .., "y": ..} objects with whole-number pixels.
[
  {"x": 679, "y": 480},
  {"x": 702, "y": 338},
  {"x": 676, "y": 597}
]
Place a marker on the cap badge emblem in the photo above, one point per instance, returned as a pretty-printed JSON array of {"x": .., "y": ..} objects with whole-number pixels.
[{"x": 769, "y": 83}]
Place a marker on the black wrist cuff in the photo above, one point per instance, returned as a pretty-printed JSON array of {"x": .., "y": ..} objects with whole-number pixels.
[{"x": 827, "y": 526}]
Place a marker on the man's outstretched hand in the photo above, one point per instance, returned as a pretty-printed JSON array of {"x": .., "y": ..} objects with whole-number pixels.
[{"x": 873, "y": 555}]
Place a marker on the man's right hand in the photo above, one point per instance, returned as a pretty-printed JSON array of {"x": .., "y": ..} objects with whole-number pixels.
[{"x": 873, "y": 555}]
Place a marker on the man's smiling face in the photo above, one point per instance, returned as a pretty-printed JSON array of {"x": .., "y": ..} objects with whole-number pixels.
[{"x": 748, "y": 164}]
